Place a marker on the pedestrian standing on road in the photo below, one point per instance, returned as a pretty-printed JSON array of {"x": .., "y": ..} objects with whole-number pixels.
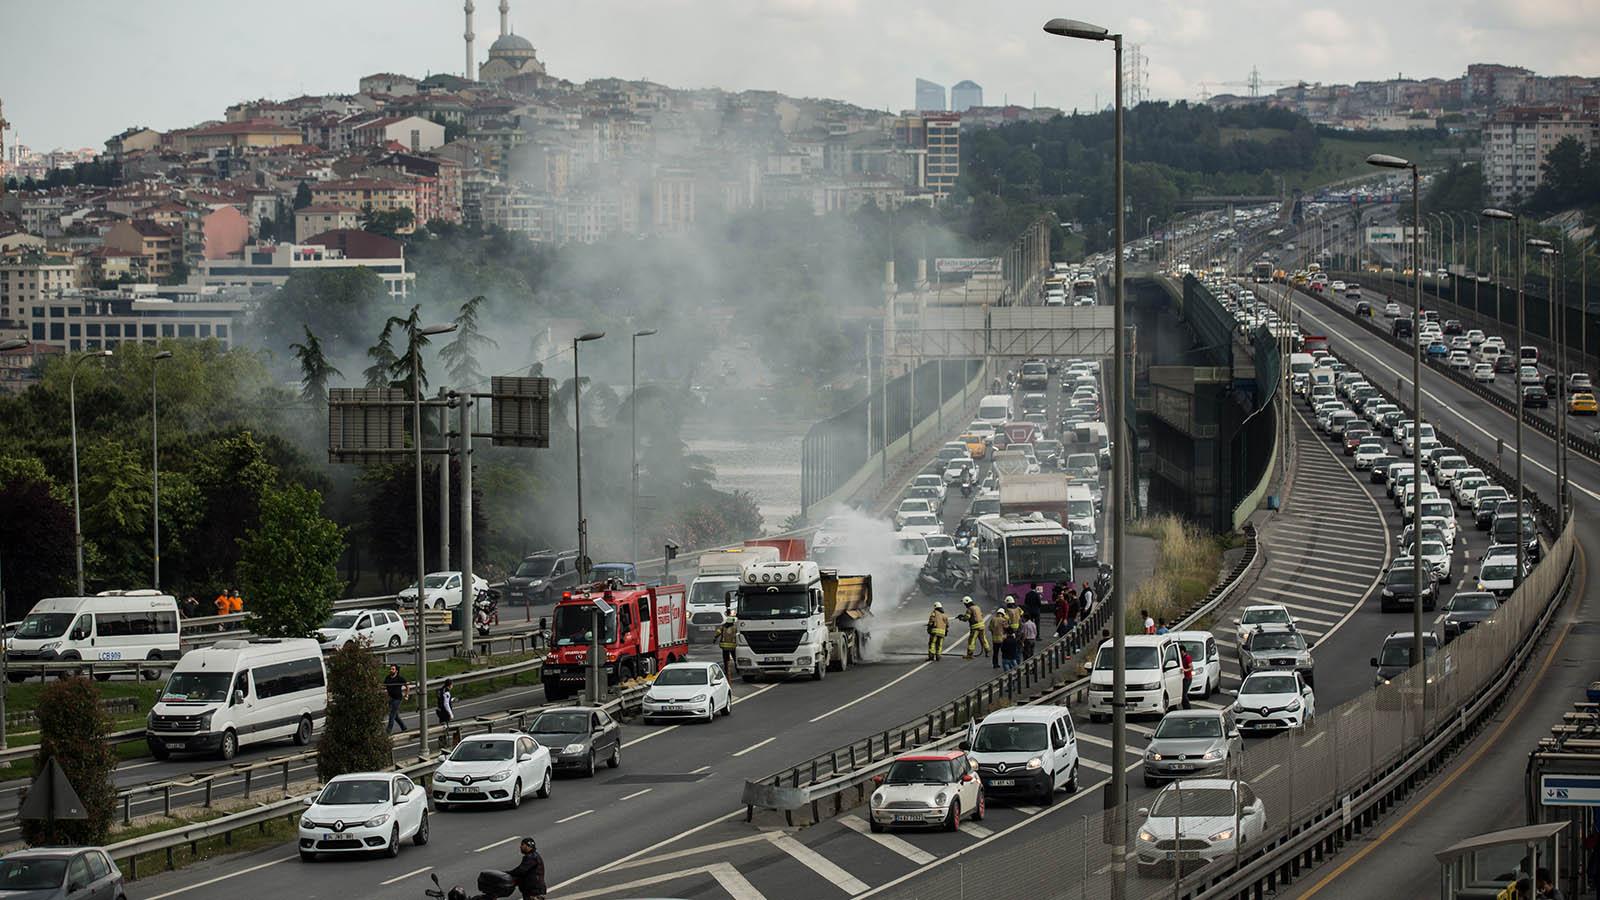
[
  {"x": 1149, "y": 623},
  {"x": 938, "y": 627},
  {"x": 1010, "y": 650},
  {"x": 1188, "y": 674},
  {"x": 235, "y": 602},
  {"x": 728, "y": 640},
  {"x": 1086, "y": 599},
  {"x": 997, "y": 635},
  {"x": 1063, "y": 613},
  {"x": 395, "y": 684},
  {"x": 1030, "y": 637},
  {"x": 445, "y": 708},
  {"x": 977, "y": 634},
  {"x": 1013, "y": 613},
  {"x": 529, "y": 872},
  {"x": 1033, "y": 602},
  {"x": 191, "y": 607}
]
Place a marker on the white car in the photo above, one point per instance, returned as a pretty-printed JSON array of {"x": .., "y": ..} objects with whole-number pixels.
[
  {"x": 693, "y": 690},
  {"x": 1466, "y": 487},
  {"x": 1483, "y": 373},
  {"x": 1368, "y": 453},
  {"x": 939, "y": 541},
  {"x": 374, "y": 627},
  {"x": 957, "y": 469},
  {"x": 1207, "y": 659},
  {"x": 981, "y": 429},
  {"x": 909, "y": 506},
  {"x": 1253, "y": 617},
  {"x": 1493, "y": 342},
  {"x": 920, "y": 524},
  {"x": 1026, "y": 751},
  {"x": 937, "y": 481},
  {"x": 922, "y": 789},
  {"x": 1436, "y": 557},
  {"x": 1498, "y": 574},
  {"x": 442, "y": 590},
  {"x": 1528, "y": 375},
  {"x": 1274, "y": 700},
  {"x": 1459, "y": 359},
  {"x": 1391, "y": 309},
  {"x": 1446, "y": 526},
  {"x": 364, "y": 812},
  {"x": 1194, "y": 821},
  {"x": 492, "y": 769}
]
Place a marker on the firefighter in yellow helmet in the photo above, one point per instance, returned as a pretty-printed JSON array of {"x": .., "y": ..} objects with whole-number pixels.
[
  {"x": 977, "y": 633},
  {"x": 938, "y": 626},
  {"x": 1013, "y": 612},
  {"x": 728, "y": 640}
]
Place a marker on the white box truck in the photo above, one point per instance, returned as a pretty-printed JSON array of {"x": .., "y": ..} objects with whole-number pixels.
[{"x": 710, "y": 592}]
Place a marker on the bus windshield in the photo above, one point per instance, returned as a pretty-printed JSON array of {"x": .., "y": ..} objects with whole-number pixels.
[{"x": 1041, "y": 558}]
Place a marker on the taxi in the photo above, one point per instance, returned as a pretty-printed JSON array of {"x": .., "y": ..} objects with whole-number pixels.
[
  {"x": 1582, "y": 404},
  {"x": 976, "y": 445}
]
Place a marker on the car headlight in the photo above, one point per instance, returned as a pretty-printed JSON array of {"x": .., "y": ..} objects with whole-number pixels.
[
  {"x": 377, "y": 821},
  {"x": 695, "y": 699},
  {"x": 536, "y": 582},
  {"x": 1146, "y": 836},
  {"x": 48, "y": 646},
  {"x": 941, "y": 799},
  {"x": 1223, "y": 835},
  {"x": 306, "y": 823},
  {"x": 205, "y": 718},
  {"x": 1036, "y": 763},
  {"x": 877, "y": 798},
  {"x": 572, "y": 748},
  {"x": 500, "y": 776},
  {"x": 1152, "y": 756},
  {"x": 1388, "y": 593},
  {"x": 1294, "y": 706},
  {"x": 1212, "y": 755}
]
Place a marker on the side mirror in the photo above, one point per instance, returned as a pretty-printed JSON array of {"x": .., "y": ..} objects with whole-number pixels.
[
  {"x": 877, "y": 779},
  {"x": 1144, "y": 810},
  {"x": 1374, "y": 662},
  {"x": 526, "y": 757},
  {"x": 238, "y": 697},
  {"x": 311, "y": 800},
  {"x": 966, "y": 746}
]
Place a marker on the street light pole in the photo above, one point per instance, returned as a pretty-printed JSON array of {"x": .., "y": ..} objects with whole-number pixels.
[
  {"x": 422, "y": 561},
  {"x": 633, "y": 439},
  {"x": 155, "y": 469},
  {"x": 1516, "y": 234},
  {"x": 577, "y": 431},
  {"x": 1116, "y": 801},
  {"x": 72, "y": 415}
]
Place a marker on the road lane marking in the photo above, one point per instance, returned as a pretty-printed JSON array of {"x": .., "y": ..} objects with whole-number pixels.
[
  {"x": 701, "y": 769},
  {"x": 406, "y": 875},
  {"x": 1104, "y": 742},
  {"x": 693, "y": 851},
  {"x": 879, "y": 690},
  {"x": 645, "y": 737},
  {"x": 514, "y": 837},
  {"x": 1096, "y": 766},
  {"x": 1269, "y": 770},
  {"x": 1027, "y": 810},
  {"x": 818, "y": 863},
  {"x": 638, "y": 793},
  {"x": 756, "y": 746},
  {"x": 220, "y": 878},
  {"x": 977, "y": 831},
  {"x": 726, "y": 876},
  {"x": 1319, "y": 735},
  {"x": 574, "y": 816},
  {"x": 888, "y": 841}
]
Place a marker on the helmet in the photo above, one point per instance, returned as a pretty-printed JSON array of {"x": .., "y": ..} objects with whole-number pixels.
[
  {"x": 938, "y": 605},
  {"x": 456, "y": 893},
  {"x": 728, "y": 621},
  {"x": 966, "y": 601},
  {"x": 528, "y": 841},
  {"x": 1010, "y": 600}
]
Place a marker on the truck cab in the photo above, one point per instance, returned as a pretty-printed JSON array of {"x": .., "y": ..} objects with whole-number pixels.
[
  {"x": 796, "y": 618},
  {"x": 643, "y": 629}
]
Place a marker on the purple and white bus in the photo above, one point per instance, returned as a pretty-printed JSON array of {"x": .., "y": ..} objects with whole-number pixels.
[{"x": 1016, "y": 552}]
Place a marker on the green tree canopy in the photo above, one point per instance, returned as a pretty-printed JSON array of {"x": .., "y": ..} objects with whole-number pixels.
[
  {"x": 75, "y": 731},
  {"x": 289, "y": 563}
]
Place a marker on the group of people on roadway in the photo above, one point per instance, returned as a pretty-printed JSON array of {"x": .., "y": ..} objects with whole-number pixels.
[{"x": 1010, "y": 634}]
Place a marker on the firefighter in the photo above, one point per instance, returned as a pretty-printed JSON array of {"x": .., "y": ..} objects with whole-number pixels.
[
  {"x": 1013, "y": 613},
  {"x": 997, "y": 633},
  {"x": 938, "y": 625},
  {"x": 728, "y": 640},
  {"x": 977, "y": 633}
]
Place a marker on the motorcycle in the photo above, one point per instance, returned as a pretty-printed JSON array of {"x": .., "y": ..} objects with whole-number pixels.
[
  {"x": 492, "y": 885},
  {"x": 485, "y": 613},
  {"x": 947, "y": 571},
  {"x": 967, "y": 485}
]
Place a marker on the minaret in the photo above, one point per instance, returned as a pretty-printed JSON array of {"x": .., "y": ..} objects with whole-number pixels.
[
  {"x": 469, "y": 36},
  {"x": 505, "y": 17}
]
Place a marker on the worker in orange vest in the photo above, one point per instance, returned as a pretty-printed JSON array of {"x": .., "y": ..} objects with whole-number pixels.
[
  {"x": 235, "y": 602},
  {"x": 223, "y": 603}
]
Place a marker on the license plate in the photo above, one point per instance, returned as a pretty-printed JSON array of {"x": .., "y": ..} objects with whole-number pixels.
[
  {"x": 1180, "y": 767},
  {"x": 670, "y": 708},
  {"x": 1003, "y": 782},
  {"x": 773, "y": 659},
  {"x": 330, "y": 836},
  {"x": 177, "y": 745},
  {"x": 908, "y": 818},
  {"x": 471, "y": 792}
]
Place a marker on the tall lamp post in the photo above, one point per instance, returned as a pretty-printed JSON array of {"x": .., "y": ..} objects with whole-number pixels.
[
  {"x": 155, "y": 470},
  {"x": 1516, "y": 243},
  {"x": 1116, "y": 799},
  {"x": 577, "y": 431},
  {"x": 72, "y": 415},
  {"x": 5, "y": 346},
  {"x": 1383, "y": 160},
  {"x": 1552, "y": 275},
  {"x": 422, "y": 561},
  {"x": 633, "y": 439}
]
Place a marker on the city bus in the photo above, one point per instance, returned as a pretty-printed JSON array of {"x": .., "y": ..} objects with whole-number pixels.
[
  {"x": 1015, "y": 552},
  {"x": 1261, "y": 272}
]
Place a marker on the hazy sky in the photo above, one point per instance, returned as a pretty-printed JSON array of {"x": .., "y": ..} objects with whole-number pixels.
[{"x": 73, "y": 72}]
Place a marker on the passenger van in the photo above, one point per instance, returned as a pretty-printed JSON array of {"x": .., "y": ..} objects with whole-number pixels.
[
  {"x": 1155, "y": 676},
  {"x": 995, "y": 409},
  {"x": 110, "y": 626},
  {"x": 1026, "y": 751},
  {"x": 235, "y": 693}
]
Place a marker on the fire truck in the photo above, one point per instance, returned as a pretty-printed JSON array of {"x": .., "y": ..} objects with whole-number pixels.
[{"x": 644, "y": 628}]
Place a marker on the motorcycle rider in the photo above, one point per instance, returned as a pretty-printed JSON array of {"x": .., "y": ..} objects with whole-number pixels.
[
  {"x": 977, "y": 628},
  {"x": 529, "y": 873}
]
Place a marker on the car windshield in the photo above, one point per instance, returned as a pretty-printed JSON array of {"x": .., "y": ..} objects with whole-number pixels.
[
  {"x": 32, "y": 873},
  {"x": 1276, "y": 640},
  {"x": 1474, "y": 603},
  {"x": 197, "y": 687},
  {"x": 921, "y": 519},
  {"x": 538, "y": 567},
  {"x": 1179, "y": 727},
  {"x": 1138, "y": 658},
  {"x": 1397, "y": 654},
  {"x": 1268, "y": 684},
  {"x": 359, "y": 792},
  {"x": 341, "y": 621},
  {"x": 561, "y": 723},
  {"x": 574, "y": 625},
  {"x": 1008, "y": 737},
  {"x": 1399, "y": 576},
  {"x": 435, "y": 581},
  {"x": 44, "y": 625},
  {"x": 711, "y": 592},
  {"x": 772, "y": 602},
  {"x": 682, "y": 675},
  {"x": 919, "y": 771},
  {"x": 1265, "y": 616},
  {"x": 1193, "y": 802},
  {"x": 482, "y": 750},
  {"x": 1499, "y": 572},
  {"x": 1080, "y": 509},
  {"x": 1083, "y": 461}
]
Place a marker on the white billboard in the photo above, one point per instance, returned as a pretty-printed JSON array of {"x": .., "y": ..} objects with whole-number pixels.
[
  {"x": 983, "y": 265},
  {"x": 1389, "y": 234}
]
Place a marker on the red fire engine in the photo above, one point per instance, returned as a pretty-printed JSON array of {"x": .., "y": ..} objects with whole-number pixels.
[{"x": 645, "y": 628}]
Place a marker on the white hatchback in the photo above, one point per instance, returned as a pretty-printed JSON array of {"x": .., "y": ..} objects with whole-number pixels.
[
  {"x": 491, "y": 769},
  {"x": 692, "y": 690},
  {"x": 364, "y": 812},
  {"x": 1198, "y": 820},
  {"x": 374, "y": 627},
  {"x": 1253, "y": 617},
  {"x": 922, "y": 789},
  {"x": 1274, "y": 700}
]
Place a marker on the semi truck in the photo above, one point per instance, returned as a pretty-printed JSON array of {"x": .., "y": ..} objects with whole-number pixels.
[
  {"x": 718, "y": 578},
  {"x": 796, "y": 618},
  {"x": 644, "y": 628}
]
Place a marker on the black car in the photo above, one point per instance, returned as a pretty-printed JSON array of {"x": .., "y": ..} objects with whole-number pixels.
[
  {"x": 1534, "y": 397},
  {"x": 541, "y": 577},
  {"x": 1452, "y": 326},
  {"x": 1364, "y": 308},
  {"x": 1380, "y": 468},
  {"x": 1504, "y": 364},
  {"x": 1483, "y": 515},
  {"x": 1394, "y": 657},
  {"x": 1399, "y": 590},
  {"x": 579, "y": 738},
  {"x": 1402, "y": 328},
  {"x": 1467, "y": 609}
]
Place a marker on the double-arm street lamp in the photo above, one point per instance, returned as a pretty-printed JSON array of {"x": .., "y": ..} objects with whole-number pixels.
[
  {"x": 422, "y": 562},
  {"x": 72, "y": 416},
  {"x": 1516, "y": 243},
  {"x": 577, "y": 432},
  {"x": 1116, "y": 799}
]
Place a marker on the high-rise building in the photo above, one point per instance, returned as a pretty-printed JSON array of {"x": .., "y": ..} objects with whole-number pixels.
[
  {"x": 1516, "y": 141},
  {"x": 944, "y": 153},
  {"x": 965, "y": 95},
  {"x": 930, "y": 96}
]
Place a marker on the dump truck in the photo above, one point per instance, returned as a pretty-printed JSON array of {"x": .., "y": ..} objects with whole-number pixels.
[{"x": 796, "y": 618}]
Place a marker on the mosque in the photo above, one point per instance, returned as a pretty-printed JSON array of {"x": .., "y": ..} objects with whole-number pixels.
[{"x": 509, "y": 56}]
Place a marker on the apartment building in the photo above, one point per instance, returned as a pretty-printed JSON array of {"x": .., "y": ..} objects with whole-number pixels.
[{"x": 1516, "y": 141}]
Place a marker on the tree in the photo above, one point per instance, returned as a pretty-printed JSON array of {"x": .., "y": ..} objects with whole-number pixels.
[
  {"x": 315, "y": 370},
  {"x": 339, "y": 305},
  {"x": 74, "y": 730},
  {"x": 36, "y": 557},
  {"x": 354, "y": 738},
  {"x": 389, "y": 223},
  {"x": 302, "y": 196},
  {"x": 380, "y": 373},
  {"x": 461, "y": 354},
  {"x": 289, "y": 563},
  {"x": 416, "y": 342}
]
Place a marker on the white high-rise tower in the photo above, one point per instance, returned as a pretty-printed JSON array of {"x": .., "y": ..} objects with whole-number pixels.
[
  {"x": 471, "y": 62},
  {"x": 505, "y": 17}
]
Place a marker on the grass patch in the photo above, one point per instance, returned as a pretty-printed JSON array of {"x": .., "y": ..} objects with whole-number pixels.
[
  {"x": 1226, "y": 136},
  {"x": 267, "y": 834},
  {"x": 1188, "y": 561}
]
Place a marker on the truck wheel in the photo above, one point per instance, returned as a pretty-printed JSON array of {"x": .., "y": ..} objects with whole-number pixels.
[{"x": 820, "y": 669}]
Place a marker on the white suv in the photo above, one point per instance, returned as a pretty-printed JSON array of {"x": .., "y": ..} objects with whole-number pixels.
[{"x": 1026, "y": 750}]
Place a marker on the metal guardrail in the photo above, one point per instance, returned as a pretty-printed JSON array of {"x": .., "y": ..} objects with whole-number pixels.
[{"x": 826, "y": 783}]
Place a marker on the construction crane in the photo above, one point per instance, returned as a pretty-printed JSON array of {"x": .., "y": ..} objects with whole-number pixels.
[{"x": 1254, "y": 83}]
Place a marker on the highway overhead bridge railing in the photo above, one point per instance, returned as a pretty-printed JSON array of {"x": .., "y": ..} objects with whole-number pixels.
[{"x": 832, "y": 782}]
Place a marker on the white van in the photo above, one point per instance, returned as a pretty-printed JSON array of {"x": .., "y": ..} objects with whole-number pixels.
[
  {"x": 111, "y": 625},
  {"x": 1080, "y": 506},
  {"x": 233, "y": 693},
  {"x": 995, "y": 409},
  {"x": 1155, "y": 677},
  {"x": 1028, "y": 751}
]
